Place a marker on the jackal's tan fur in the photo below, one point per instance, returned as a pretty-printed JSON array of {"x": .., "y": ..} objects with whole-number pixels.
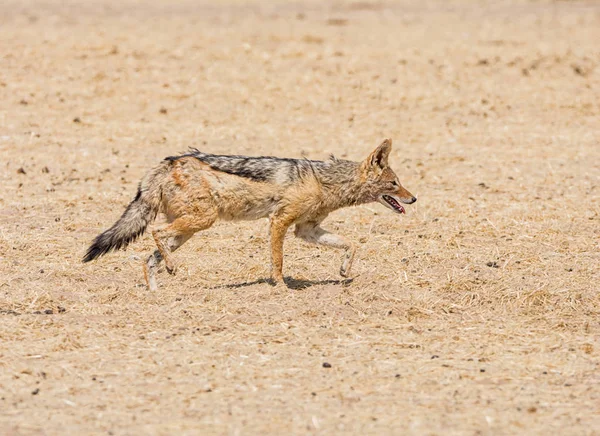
[{"x": 196, "y": 189}]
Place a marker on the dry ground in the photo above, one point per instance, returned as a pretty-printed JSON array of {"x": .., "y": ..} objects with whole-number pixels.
[{"x": 475, "y": 313}]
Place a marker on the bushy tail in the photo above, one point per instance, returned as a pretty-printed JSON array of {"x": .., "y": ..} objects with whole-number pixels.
[{"x": 134, "y": 221}]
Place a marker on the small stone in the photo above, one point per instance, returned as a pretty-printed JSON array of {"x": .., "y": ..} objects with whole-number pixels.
[
  {"x": 326, "y": 365},
  {"x": 579, "y": 70}
]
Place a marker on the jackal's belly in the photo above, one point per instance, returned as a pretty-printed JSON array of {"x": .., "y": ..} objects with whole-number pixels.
[
  {"x": 239, "y": 199},
  {"x": 246, "y": 209}
]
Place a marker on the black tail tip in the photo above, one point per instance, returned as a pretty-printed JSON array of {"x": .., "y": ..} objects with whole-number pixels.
[{"x": 93, "y": 252}]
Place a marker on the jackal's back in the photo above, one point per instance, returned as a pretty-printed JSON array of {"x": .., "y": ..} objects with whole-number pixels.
[{"x": 271, "y": 169}]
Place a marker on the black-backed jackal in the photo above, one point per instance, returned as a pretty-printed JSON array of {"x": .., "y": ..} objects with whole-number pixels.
[{"x": 195, "y": 189}]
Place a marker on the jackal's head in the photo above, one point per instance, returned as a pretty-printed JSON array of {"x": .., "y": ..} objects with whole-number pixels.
[{"x": 381, "y": 182}]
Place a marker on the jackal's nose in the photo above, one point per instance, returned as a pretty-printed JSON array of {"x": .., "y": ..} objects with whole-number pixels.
[{"x": 413, "y": 200}]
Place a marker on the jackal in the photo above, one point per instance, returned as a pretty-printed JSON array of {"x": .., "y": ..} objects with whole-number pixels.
[{"x": 195, "y": 189}]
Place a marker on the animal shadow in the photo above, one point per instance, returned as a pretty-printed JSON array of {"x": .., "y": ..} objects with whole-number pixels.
[{"x": 295, "y": 284}]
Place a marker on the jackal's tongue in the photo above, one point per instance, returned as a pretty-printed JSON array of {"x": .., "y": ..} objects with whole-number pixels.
[{"x": 392, "y": 201}]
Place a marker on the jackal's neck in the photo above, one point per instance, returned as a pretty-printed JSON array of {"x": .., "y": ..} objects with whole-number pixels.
[{"x": 341, "y": 183}]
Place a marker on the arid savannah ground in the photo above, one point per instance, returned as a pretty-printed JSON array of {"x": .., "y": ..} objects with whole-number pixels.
[{"x": 477, "y": 312}]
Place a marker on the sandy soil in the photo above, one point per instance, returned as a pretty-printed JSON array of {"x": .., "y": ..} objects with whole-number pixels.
[{"x": 475, "y": 313}]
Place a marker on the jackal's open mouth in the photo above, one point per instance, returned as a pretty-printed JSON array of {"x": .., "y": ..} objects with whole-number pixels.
[{"x": 393, "y": 203}]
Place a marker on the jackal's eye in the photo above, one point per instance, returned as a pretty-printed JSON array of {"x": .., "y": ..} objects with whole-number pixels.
[{"x": 395, "y": 184}]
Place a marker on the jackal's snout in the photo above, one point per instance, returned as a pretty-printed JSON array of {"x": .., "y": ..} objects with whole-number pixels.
[
  {"x": 408, "y": 200},
  {"x": 405, "y": 196}
]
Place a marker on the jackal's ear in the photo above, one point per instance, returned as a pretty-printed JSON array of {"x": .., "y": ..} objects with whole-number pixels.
[{"x": 379, "y": 157}]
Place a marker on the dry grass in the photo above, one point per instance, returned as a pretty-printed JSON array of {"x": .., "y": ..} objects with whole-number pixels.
[{"x": 477, "y": 312}]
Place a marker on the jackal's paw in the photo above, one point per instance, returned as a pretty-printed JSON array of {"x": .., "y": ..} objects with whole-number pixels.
[
  {"x": 347, "y": 264},
  {"x": 277, "y": 280},
  {"x": 149, "y": 277},
  {"x": 344, "y": 272},
  {"x": 171, "y": 268},
  {"x": 345, "y": 268},
  {"x": 151, "y": 285}
]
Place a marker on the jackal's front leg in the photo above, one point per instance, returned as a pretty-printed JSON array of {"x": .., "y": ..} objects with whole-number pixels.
[
  {"x": 278, "y": 229},
  {"x": 311, "y": 232}
]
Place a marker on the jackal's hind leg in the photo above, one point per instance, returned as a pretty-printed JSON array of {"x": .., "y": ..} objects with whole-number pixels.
[
  {"x": 313, "y": 233},
  {"x": 153, "y": 262},
  {"x": 150, "y": 268},
  {"x": 173, "y": 235}
]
